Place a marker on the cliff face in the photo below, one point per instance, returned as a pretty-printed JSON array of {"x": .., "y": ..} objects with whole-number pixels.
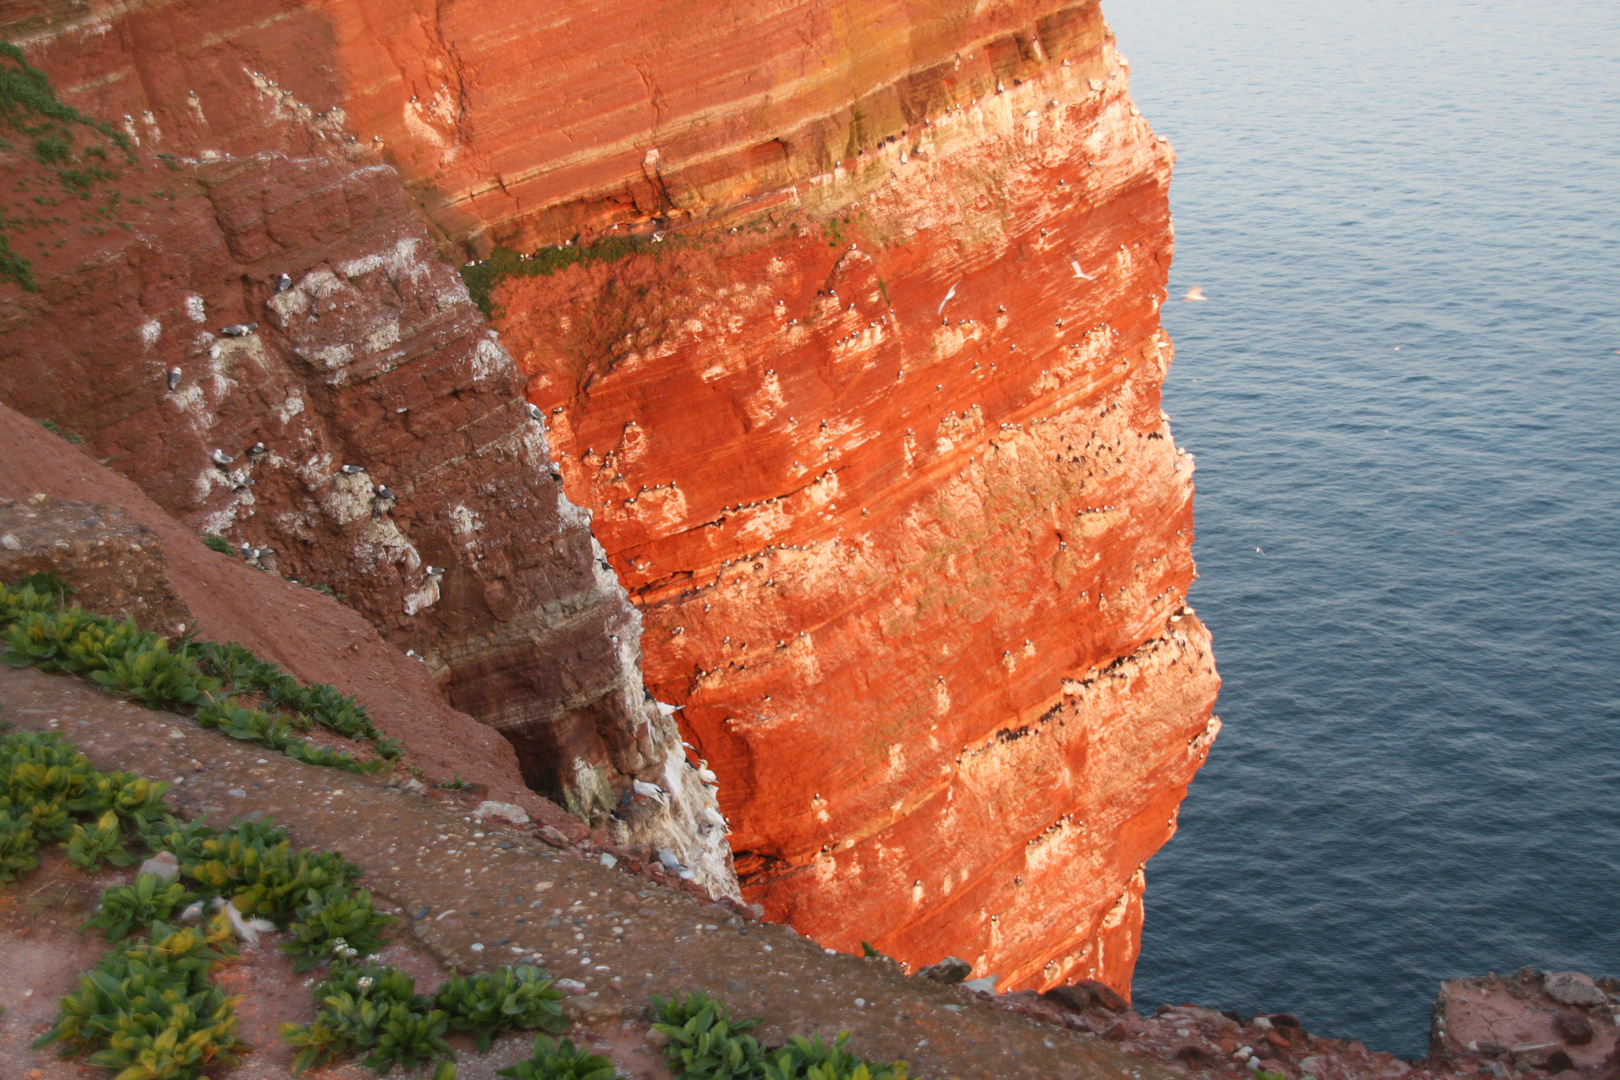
[
  {"x": 888, "y": 475},
  {"x": 867, "y": 413},
  {"x": 368, "y": 429}
]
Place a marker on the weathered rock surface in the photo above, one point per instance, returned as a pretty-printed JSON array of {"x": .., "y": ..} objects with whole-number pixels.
[
  {"x": 888, "y": 475},
  {"x": 872, "y": 434},
  {"x": 369, "y": 428},
  {"x": 1549, "y": 1021},
  {"x": 112, "y": 563}
]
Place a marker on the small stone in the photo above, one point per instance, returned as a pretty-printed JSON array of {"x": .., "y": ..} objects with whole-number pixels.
[
  {"x": 570, "y": 986},
  {"x": 608, "y": 860},
  {"x": 1573, "y": 988},
  {"x": 950, "y": 970},
  {"x": 238, "y": 792},
  {"x": 553, "y": 836},
  {"x": 986, "y": 985},
  {"x": 657, "y": 1039},
  {"x": 1263, "y": 1023},
  {"x": 11, "y": 543},
  {"x": 504, "y": 811},
  {"x": 477, "y": 946},
  {"x": 1575, "y": 1028}
]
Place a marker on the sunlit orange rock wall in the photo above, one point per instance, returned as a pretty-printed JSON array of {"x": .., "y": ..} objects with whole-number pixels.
[
  {"x": 871, "y": 431},
  {"x": 885, "y": 468}
]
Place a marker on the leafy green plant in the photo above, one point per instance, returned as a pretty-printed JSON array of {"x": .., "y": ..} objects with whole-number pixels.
[
  {"x": 25, "y": 596},
  {"x": 136, "y": 799},
  {"x": 812, "y": 1059},
  {"x": 219, "y": 544},
  {"x": 120, "y": 656},
  {"x": 87, "y": 848},
  {"x": 18, "y": 845},
  {"x": 230, "y": 717},
  {"x": 560, "y": 1061},
  {"x": 48, "y": 584},
  {"x": 36, "y": 768},
  {"x": 156, "y": 677},
  {"x": 373, "y": 1010},
  {"x": 150, "y": 1011},
  {"x": 513, "y": 998},
  {"x": 335, "y": 923},
  {"x": 148, "y": 900},
  {"x": 254, "y": 866},
  {"x": 704, "y": 1042}
]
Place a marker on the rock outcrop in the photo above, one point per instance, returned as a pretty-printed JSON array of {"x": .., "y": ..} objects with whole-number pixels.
[
  {"x": 885, "y": 467},
  {"x": 272, "y": 349},
  {"x": 847, "y": 335}
]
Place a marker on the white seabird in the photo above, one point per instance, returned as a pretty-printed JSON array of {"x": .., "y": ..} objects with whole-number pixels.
[
  {"x": 175, "y": 375},
  {"x": 239, "y": 329},
  {"x": 220, "y": 457}
]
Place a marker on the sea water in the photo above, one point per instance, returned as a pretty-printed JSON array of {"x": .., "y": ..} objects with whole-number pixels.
[{"x": 1404, "y": 397}]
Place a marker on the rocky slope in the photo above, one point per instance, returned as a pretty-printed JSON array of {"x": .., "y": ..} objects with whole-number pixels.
[
  {"x": 866, "y": 409},
  {"x": 271, "y": 349}
]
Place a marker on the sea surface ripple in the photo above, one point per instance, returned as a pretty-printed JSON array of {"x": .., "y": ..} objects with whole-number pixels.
[{"x": 1404, "y": 398}]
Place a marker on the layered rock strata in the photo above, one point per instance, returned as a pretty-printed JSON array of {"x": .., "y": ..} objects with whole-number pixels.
[
  {"x": 270, "y": 346},
  {"x": 886, "y": 469},
  {"x": 868, "y": 415}
]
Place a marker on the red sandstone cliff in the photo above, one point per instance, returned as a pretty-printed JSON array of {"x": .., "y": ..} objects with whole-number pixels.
[
  {"x": 872, "y": 433},
  {"x": 371, "y": 425}
]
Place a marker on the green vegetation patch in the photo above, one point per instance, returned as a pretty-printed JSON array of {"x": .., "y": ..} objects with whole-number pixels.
[
  {"x": 482, "y": 277},
  {"x": 57, "y": 139},
  {"x": 706, "y": 1044},
  {"x": 227, "y": 686}
]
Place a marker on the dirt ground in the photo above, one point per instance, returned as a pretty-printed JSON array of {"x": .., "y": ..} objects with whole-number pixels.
[{"x": 473, "y": 896}]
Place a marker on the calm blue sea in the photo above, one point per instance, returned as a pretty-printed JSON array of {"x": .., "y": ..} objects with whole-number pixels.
[{"x": 1404, "y": 396}]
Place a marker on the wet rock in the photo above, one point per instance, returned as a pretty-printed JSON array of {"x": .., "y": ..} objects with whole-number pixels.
[
  {"x": 986, "y": 985},
  {"x": 1575, "y": 1028},
  {"x": 950, "y": 970},
  {"x": 1573, "y": 988}
]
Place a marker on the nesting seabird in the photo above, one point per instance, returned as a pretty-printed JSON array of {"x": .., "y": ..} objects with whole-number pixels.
[
  {"x": 650, "y": 791},
  {"x": 351, "y": 470},
  {"x": 246, "y": 550},
  {"x": 384, "y": 493},
  {"x": 256, "y": 449},
  {"x": 241, "y": 329},
  {"x": 283, "y": 283},
  {"x": 434, "y": 571},
  {"x": 175, "y": 375},
  {"x": 533, "y": 410},
  {"x": 220, "y": 457}
]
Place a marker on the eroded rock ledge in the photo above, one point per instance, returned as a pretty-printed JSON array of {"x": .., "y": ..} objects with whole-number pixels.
[{"x": 870, "y": 424}]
